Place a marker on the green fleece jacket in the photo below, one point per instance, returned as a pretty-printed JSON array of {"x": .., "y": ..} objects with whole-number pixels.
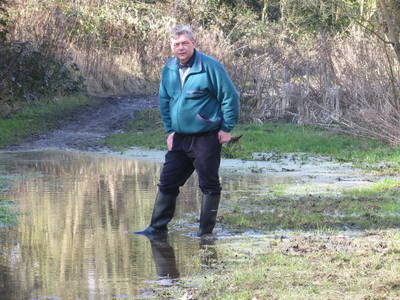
[{"x": 207, "y": 101}]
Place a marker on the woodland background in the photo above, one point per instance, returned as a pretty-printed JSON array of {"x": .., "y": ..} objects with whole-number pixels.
[{"x": 331, "y": 63}]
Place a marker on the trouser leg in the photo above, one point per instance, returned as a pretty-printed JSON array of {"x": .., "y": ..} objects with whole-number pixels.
[
  {"x": 177, "y": 169},
  {"x": 205, "y": 151},
  {"x": 201, "y": 152}
]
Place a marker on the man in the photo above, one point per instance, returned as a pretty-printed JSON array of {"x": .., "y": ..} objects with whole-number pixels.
[{"x": 199, "y": 107}]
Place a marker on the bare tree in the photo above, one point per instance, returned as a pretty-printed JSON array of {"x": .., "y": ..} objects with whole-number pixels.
[{"x": 391, "y": 20}]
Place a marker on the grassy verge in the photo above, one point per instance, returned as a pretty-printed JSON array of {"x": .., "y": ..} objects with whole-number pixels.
[
  {"x": 298, "y": 267},
  {"x": 34, "y": 119},
  {"x": 146, "y": 131},
  {"x": 272, "y": 139},
  {"x": 8, "y": 216},
  {"x": 376, "y": 207},
  {"x": 8, "y": 212}
]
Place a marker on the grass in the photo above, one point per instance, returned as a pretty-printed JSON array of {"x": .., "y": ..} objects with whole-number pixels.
[
  {"x": 145, "y": 131},
  {"x": 8, "y": 216},
  {"x": 300, "y": 267},
  {"x": 278, "y": 208},
  {"x": 8, "y": 212},
  {"x": 311, "y": 213},
  {"x": 281, "y": 138},
  {"x": 36, "y": 118}
]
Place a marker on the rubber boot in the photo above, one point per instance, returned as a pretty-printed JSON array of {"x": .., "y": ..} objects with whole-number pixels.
[
  {"x": 164, "y": 209},
  {"x": 208, "y": 216}
]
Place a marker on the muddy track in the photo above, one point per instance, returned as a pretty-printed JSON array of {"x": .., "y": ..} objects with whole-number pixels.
[{"x": 87, "y": 127}]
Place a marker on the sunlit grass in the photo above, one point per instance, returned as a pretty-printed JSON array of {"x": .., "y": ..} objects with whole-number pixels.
[
  {"x": 34, "y": 119},
  {"x": 387, "y": 186},
  {"x": 8, "y": 211},
  {"x": 285, "y": 137},
  {"x": 278, "y": 207},
  {"x": 145, "y": 131},
  {"x": 301, "y": 266},
  {"x": 8, "y": 216}
]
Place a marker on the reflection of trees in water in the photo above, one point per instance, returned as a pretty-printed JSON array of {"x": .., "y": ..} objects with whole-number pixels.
[
  {"x": 73, "y": 240},
  {"x": 9, "y": 252}
]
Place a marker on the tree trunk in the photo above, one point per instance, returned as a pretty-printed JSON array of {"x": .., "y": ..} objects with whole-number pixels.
[{"x": 393, "y": 36}]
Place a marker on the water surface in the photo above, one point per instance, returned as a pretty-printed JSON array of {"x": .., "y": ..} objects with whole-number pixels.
[{"x": 75, "y": 241}]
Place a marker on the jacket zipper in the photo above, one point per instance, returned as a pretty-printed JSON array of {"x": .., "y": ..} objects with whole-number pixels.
[{"x": 182, "y": 85}]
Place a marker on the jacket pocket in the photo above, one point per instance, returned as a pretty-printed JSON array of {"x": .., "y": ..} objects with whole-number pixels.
[
  {"x": 207, "y": 120},
  {"x": 191, "y": 92},
  {"x": 194, "y": 94}
]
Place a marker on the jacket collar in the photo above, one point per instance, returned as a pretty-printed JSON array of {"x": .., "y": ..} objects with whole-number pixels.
[
  {"x": 197, "y": 64},
  {"x": 189, "y": 63}
]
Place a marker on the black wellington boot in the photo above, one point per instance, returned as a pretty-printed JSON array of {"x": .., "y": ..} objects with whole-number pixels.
[
  {"x": 164, "y": 209},
  {"x": 208, "y": 216}
]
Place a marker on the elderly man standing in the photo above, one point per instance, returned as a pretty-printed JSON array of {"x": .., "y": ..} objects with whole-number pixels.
[{"x": 199, "y": 107}]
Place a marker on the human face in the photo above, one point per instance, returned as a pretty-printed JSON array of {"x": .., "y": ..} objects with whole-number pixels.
[{"x": 183, "y": 48}]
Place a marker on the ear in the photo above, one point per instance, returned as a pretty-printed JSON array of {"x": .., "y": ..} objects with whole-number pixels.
[{"x": 194, "y": 43}]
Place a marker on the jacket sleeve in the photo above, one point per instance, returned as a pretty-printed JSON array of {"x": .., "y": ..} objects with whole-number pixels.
[
  {"x": 227, "y": 95},
  {"x": 165, "y": 99}
]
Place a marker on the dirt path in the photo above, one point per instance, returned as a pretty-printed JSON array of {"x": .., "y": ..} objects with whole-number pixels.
[{"x": 92, "y": 125}]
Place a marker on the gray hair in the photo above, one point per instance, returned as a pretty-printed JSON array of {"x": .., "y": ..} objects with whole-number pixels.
[{"x": 181, "y": 29}]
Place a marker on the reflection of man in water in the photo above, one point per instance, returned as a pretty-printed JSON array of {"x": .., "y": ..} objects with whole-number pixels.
[
  {"x": 199, "y": 107},
  {"x": 164, "y": 258}
]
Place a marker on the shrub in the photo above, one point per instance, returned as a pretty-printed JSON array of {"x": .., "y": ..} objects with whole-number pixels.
[{"x": 28, "y": 73}]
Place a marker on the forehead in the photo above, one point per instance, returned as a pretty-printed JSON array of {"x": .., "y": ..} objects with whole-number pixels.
[{"x": 180, "y": 38}]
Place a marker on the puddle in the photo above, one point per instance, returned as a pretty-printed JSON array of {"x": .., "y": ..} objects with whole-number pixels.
[{"x": 75, "y": 239}]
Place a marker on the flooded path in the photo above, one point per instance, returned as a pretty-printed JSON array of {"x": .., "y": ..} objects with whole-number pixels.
[{"x": 75, "y": 240}]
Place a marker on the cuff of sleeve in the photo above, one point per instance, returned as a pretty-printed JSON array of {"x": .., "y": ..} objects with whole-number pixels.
[{"x": 224, "y": 129}]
